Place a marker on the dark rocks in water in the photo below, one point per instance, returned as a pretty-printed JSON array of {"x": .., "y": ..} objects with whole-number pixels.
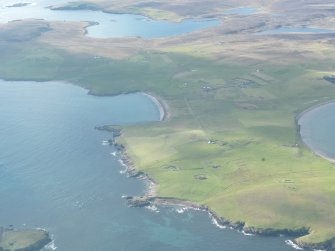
[
  {"x": 276, "y": 232},
  {"x": 138, "y": 201},
  {"x": 116, "y": 131},
  {"x": 111, "y": 142},
  {"x": 134, "y": 174},
  {"x": 101, "y": 128},
  {"x": 330, "y": 78},
  {"x": 237, "y": 225},
  {"x": 119, "y": 147}
]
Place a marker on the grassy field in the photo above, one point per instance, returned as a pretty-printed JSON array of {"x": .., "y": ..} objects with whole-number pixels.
[
  {"x": 231, "y": 141},
  {"x": 255, "y": 170},
  {"x": 23, "y": 240}
]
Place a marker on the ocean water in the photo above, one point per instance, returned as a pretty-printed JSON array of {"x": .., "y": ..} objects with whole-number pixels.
[
  {"x": 56, "y": 173},
  {"x": 317, "y": 130},
  {"x": 108, "y": 25}
]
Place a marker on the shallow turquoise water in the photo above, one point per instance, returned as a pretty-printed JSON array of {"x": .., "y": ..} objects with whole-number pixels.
[
  {"x": 317, "y": 129},
  {"x": 56, "y": 174},
  {"x": 110, "y": 25}
]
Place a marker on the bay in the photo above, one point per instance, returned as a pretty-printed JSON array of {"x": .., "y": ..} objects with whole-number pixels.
[
  {"x": 56, "y": 174},
  {"x": 317, "y": 130},
  {"x": 107, "y": 25}
]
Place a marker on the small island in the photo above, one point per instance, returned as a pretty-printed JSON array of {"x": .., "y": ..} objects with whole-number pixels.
[{"x": 23, "y": 240}]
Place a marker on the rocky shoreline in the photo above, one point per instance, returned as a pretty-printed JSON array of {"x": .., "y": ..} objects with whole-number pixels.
[
  {"x": 145, "y": 201},
  {"x": 126, "y": 161},
  {"x": 151, "y": 198}
]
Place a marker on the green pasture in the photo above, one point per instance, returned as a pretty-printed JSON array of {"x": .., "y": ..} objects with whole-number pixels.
[
  {"x": 22, "y": 240},
  {"x": 231, "y": 141}
]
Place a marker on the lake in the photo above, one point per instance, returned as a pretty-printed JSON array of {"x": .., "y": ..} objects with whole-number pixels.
[
  {"x": 317, "y": 130},
  {"x": 108, "y": 25},
  {"x": 56, "y": 173}
]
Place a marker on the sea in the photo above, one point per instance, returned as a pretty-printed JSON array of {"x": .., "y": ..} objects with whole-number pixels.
[
  {"x": 317, "y": 130},
  {"x": 58, "y": 173}
]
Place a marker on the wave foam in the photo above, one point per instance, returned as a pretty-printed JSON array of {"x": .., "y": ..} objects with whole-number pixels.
[
  {"x": 152, "y": 208},
  {"x": 181, "y": 210},
  {"x": 215, "y": 222},
  {"x": 122, "y": 163},
  {"x": 292, "y": 244},
  {"x": 105, "y": 143},
  {"x": 246, "y": 234},
  {"x": 51, "y": 246}
]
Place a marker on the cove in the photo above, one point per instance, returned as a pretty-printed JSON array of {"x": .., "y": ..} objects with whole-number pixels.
[
  {"x": 106, "y": 25},
  {"x": 317, "y": 130}
]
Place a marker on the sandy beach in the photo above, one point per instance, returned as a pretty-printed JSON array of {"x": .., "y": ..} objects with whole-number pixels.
[{"x": 161, "y": 105}]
